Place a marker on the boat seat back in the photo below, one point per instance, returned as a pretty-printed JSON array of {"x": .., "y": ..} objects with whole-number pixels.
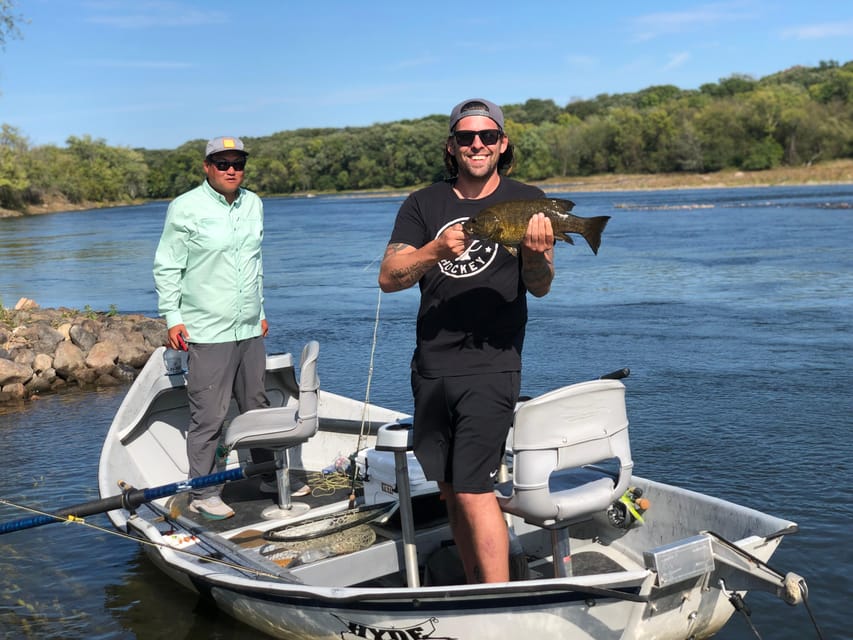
[
  {"x": 281, "y": 429},
  {"x": 571, "y": 454}
]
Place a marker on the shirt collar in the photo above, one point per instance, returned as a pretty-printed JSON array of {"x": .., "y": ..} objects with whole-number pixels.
[{"x": 213, "y": 193}]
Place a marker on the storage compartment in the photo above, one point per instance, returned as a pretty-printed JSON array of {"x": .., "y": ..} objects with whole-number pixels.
[{"x": 380, "y": 483}]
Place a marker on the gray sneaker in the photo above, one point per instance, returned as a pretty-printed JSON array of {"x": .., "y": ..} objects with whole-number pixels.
[
  {"x": 212, "y": 508},
  {"x": 268, "y": 486}
]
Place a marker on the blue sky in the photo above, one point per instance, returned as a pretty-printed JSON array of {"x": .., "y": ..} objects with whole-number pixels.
[{"x": 155, "y": 74}]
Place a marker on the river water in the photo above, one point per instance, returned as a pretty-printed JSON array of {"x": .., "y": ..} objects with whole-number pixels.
[{"x": 732, "y": 308}]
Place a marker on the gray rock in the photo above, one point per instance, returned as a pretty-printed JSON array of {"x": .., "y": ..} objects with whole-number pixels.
[
  {"x": 42, "y": 362},
  {"x": 67, "y": 359},
  {"x": 42, "y": 337},
  {"x": 102, "y": 356},
  {"x": 46, "y": 350},
  {"x": 15, "y": 391},
  {"x": 84, "y": 335},
  {"x": 12, "y": 373}
]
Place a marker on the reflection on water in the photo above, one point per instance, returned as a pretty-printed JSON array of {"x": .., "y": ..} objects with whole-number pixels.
[{"x": 731, "y": 307}]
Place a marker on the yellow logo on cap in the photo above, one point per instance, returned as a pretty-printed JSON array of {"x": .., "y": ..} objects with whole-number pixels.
[{"x": 228, "y": 143}]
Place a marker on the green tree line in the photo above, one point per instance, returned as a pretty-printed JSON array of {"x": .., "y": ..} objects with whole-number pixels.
[{"x": 795, "y": 117}]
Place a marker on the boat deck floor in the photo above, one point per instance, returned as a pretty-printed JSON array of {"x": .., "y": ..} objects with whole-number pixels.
[
  {"x": 248, "y": 502},
  {"x": 246, "y": 528}
]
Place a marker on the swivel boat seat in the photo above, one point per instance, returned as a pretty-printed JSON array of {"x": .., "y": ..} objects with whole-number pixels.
[
  {"x": 555, "y": 439},
  {"x": 281, "y": 428}
]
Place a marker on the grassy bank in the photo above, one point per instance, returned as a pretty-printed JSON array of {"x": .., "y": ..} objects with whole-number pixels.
[{"x": 834, "y": 172}]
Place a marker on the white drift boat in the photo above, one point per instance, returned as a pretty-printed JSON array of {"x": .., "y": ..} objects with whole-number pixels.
[{"x": 597, "y": 552}]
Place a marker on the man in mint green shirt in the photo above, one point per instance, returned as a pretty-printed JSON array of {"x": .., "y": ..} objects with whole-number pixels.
[{"x": 209, "y": 277}]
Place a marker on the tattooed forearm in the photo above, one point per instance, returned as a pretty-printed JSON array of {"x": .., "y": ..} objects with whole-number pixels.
[
  {"x": 400, "y": 268},
  {"x": 538, "y": 273},
  {"x": 407, "y": 276}
]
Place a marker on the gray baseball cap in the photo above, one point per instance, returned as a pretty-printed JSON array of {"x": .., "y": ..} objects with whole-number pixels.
[
  {"x": 477, "y": 107},
  {"x": 224, "y": 143}
]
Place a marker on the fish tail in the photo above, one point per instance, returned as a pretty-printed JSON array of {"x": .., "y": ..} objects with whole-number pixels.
[{"x": 593, "y": 232}]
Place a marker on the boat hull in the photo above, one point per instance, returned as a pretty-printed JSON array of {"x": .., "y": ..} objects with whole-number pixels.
[{"x": 617, "y": 591}]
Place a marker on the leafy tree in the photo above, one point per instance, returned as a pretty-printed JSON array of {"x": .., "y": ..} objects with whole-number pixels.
[
  {"x": 731, "y": 86},
  {"x": 720, "y": 135},
  {"x": 532, "y": 159},
  {"x": 534, "y": 111},
  {"x": 9, "y": 21},
  {"x": 14, "y": 181},
  {"x": 764, "y": 155},
  {"x": 656, "y": 96}
]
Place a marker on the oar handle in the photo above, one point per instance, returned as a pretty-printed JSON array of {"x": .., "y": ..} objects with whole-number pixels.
[{"x": 131, "y": 498}]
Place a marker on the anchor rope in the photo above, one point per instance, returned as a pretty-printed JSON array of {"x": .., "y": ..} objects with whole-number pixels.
[{"x": 804, "y": 590}]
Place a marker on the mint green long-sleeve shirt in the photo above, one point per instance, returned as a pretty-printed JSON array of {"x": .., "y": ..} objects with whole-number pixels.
[{"x": 208, "y": 268}]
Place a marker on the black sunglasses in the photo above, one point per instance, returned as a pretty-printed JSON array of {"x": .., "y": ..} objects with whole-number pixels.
[
  {"x": 222, "y": 165},
  {"x": 487, "y": 136}
]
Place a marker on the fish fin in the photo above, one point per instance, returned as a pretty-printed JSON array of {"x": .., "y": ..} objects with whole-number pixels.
[
  {"x": 512, "y": 249},
  {"x": 567, "y": 205},
  {"x": 593, "y": 234},
  {"x": 562, "y": 235}
]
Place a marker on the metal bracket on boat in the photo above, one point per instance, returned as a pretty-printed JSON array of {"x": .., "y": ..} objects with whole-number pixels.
[
  {"x": 680, "y": 560},
  {"x": 748, "y": 573}
]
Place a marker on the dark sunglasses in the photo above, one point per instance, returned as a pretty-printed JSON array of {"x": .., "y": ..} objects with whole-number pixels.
[
  {"x": 222, "y": 165},
  {"x": 487, "y": 136}
]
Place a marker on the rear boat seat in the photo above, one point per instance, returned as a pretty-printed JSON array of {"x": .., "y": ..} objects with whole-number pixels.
[{"x": 556, "y": 438}]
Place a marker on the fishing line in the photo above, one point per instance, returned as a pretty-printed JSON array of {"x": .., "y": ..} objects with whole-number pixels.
[
  {"x": 150, "y": 543},
  {"x": 365, "y": 409}
]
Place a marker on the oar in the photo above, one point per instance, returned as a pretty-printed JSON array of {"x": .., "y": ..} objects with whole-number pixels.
[{"x": 131, "y": 498}]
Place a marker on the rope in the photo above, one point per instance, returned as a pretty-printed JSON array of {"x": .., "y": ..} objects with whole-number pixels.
[
  {"x": 325, "y": 484},
  {"x": 804, "y": 589}
]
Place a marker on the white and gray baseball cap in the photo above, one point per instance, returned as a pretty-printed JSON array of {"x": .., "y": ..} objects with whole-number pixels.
[{"x": 224, "y": 143}]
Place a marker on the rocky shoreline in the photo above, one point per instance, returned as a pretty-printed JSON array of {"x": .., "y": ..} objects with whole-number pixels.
[{"x": 50, "y": 350}]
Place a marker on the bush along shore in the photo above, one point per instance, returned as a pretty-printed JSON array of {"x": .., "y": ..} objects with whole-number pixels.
[{"x": 50, "y": 350}]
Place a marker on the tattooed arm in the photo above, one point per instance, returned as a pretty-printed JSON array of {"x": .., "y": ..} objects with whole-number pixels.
[
  {"x": 403, "y": 265},
  {"x": 537, "y": 256}
]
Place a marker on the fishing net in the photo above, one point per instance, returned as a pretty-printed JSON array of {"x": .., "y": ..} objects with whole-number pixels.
[
  {"x": 290, "y": 554},
  {"x": 331, "y": 524}
]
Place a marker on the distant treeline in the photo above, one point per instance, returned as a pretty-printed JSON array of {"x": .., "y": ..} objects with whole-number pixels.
[{"x": 794, "y": 117}]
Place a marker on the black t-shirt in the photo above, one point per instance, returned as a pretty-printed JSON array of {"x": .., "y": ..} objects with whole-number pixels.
[{"x": 473, "y": 309}]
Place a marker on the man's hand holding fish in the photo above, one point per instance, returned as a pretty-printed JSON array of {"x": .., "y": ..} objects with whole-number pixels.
[{"x": 537, "y": 255}]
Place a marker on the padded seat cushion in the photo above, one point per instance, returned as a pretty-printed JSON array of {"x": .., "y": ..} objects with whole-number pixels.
[{"x": 271, "y": 428}]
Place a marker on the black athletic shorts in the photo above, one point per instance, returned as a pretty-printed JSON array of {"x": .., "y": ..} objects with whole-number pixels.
[{"x": 460, "y": 427}]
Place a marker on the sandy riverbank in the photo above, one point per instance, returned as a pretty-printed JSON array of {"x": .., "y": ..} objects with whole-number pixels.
[{"x": 835, "y": 172}]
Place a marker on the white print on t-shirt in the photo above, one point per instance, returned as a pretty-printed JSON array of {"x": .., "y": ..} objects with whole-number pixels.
[{"x": 478, "y": 256}]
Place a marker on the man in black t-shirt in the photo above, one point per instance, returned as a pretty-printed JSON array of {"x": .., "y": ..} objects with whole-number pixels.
[{"x": 470, "y": 329}]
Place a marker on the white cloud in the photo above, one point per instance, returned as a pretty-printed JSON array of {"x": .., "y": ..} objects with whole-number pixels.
[
  {"x": 411, "y": 63},
  {"x": 142, "y": 15},
  {"x": 820, "y": 31},
  {"x": 582, "y": 61},
  {"x": 654, "y": 25},
  {"x": 135, "y": 64},
  {"x": 677, "y": 60}
]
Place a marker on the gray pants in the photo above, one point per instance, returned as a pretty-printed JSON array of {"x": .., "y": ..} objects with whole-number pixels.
[{"x": 215, "y": 373}]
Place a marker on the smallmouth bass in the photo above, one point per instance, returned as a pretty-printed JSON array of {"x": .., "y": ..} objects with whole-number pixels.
[{"x": 506, "y": 222}]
